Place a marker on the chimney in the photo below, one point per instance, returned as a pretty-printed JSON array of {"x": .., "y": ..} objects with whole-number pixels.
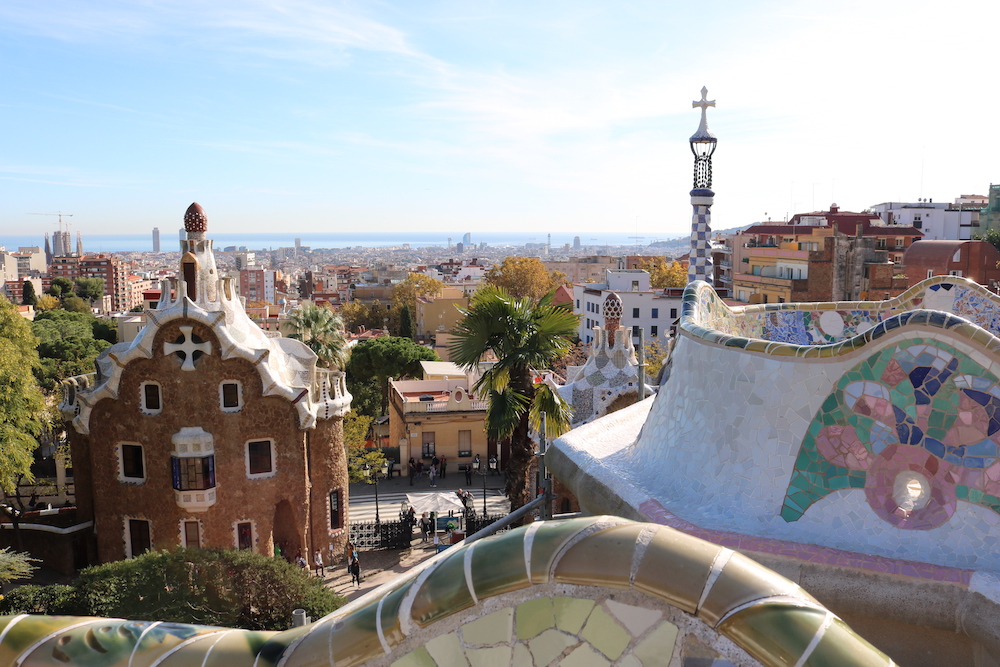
[{"x": 834, "y": 208}]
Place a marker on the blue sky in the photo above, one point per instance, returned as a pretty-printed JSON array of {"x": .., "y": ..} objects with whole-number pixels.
[{"x": 561, "y": 117}]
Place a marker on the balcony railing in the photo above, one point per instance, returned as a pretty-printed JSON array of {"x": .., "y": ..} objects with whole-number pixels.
[{"x": 442, "y": 406}]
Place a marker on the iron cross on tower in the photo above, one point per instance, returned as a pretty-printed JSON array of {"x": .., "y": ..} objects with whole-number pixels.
[
  {"x": 704, "y": 103},
  {"x": 702, "y": 146}
]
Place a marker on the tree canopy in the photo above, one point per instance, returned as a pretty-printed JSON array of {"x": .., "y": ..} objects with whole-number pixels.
[
  {"x": 663, "y": 274},
  {"x": 61, "y": 286},
  {"x": 28, "y": 296},
  {"x": 378, "y": 359},
  {"x": 416, "y": 285},
  {"x": 322, "y": 331},
  {"x": 525, "y": 335},
  {"x": 67, "y": 345},
  {"x": 222, "y": 587},
  {"x": 991, "y": 236},
  {"x": 21, "y": 403},
  {"x": 524, "y": 277},
  {"x": 89, "y": 289}
]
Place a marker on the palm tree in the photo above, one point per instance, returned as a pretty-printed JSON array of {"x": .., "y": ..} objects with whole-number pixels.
[
  {"x": 322, "y": 331},
  {"x": 524, "y": 334}
]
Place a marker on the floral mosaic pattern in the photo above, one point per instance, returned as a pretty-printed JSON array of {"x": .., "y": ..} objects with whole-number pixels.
[{"x": 916, "y": 426}]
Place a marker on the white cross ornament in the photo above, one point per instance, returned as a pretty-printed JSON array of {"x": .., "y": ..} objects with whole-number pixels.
[{"x": 188, "y": 347}]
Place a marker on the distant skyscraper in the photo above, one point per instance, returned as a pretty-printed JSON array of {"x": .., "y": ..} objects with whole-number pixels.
[
  {"x": 298, "y": 246},
  {"x": 467, "y": 239},
  {"x": 48, "y": 250},
  {"x": 576, "y": 243},
  {"x": 548, "y": 243},
  {"x": 156, "y": 239},
  {"x": 460, "y": 248},
  {"x": 62, "y": 244}
]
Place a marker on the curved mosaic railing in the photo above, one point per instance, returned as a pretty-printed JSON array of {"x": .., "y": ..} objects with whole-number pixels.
[
  {"x": 531, "y": 594},
  {"x": 798, "y": 329}
]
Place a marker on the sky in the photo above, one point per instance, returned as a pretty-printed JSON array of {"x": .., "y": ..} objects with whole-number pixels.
[{"x": 561, "y": 116}]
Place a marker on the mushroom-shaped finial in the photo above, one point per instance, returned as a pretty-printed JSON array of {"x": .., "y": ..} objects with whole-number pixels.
[
  {"x": 195, "y": 219},
  {"x": 612, "y": 309}
]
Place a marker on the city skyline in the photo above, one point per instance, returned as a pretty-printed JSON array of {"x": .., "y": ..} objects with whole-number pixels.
[{"x": 566, "y": 118}]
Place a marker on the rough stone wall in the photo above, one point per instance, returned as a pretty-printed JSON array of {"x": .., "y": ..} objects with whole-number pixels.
[{"x": 192, "y": 399}]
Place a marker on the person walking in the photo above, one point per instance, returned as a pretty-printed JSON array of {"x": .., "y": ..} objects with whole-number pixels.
[
  {"x": 444, "y": 467},
  {"x": 425, "y": 527},
  {"x": 318, "y": 563},
  {"x": 355, "y": 568},
  {"x": 412, "y": 470},
  {"x": 468, "y": 474},
  {"x": 432, "y": 474}
]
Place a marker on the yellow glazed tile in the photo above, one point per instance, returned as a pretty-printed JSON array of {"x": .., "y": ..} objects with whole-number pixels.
[
  {"x": 418, "y": 657},
  {"x": 657, "y": 648},
  {"x": 353, "y": 638},
  {"x": 549, "y": 645},
  {"x": 744, "y": 580},
  {"x": 495, "y": 628},
  {"x": 676, "y": 567},
  {"x": 390, "y": 615},
  {"x": 605, "y": 634},
  {"x": 447, "y": 651},
  {"x": 533, "y": 616},
  {"x": 635, "y": 619},
  {"x": 571, "y": 613},
  {"x": 584, "y": 656},
  {"x": 604, "y": 558},
  {"x": 498, "y": 656},
  {"x": 546, "y": 543}
]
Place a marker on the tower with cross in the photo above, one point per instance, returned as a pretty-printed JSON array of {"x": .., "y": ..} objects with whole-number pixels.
[{"x": 703, "y": 146}]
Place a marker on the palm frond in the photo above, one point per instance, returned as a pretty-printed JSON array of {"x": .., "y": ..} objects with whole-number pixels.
[{"x": 557, "y": 412}]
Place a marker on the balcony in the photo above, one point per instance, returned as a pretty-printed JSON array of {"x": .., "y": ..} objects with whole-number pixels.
[
  {"x": 195, "y": 501},
  {"x": 473, "y": 405}
]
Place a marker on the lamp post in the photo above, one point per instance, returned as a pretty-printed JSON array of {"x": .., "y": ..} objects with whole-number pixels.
[
  {"x": 483, "y": 471},
  {"x": 703, "y": 145},
  {"x": 368, "y": 475}
]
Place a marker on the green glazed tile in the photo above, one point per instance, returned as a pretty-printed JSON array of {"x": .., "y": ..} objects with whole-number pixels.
[
  {"x": 635, "y": 619},
  {"x": 354, "y": 639},
  {"x": 571, "y": 613},
  {"x": 779, "y": 631},
  {"x": 584, "y": 656},
  {"x": 497, "y": 656},
  {"x": 605, "y": 634},
  {"x": 547, "y": 541},
  {"x": 447, "y": 651},
  {"x": 418, "y": 657},
  {"x": 533, "y": 616},
  {"x": 444, "y": 592},
  {"x": 495, "y": 628},
  {"x": 498, "y": 564},
  {"x": 390, "y": 614},
  {"x": 658, "y": 647},
  {"x": 549, "y": 645},
  {"x": 841, "y": 647},
  {"x": 522, "y": 656}
]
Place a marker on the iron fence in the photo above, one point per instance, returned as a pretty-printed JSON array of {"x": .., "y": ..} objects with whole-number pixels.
[
  {"x": 475, "y": 523},
  {"x": 369, "y": 536}
]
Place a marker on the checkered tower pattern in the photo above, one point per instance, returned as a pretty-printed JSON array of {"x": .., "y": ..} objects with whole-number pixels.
[{"x": 700, "y": 260}]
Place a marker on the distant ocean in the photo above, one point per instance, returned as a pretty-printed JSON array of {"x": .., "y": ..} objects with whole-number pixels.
[{"x": 169, "y": 240}]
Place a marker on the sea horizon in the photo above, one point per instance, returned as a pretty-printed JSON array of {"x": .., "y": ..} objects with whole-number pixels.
[{"x": 170, "y": 241}]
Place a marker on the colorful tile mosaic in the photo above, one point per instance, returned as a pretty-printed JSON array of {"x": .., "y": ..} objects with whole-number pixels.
[
  {"x": 916, "y": 425},
  {"x": 590, "y": 591}
]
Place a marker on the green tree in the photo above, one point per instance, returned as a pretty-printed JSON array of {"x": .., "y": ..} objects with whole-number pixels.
[
  {"x": 66, "y": 345},
  {"x": 322, "y": 331},
  {"x": 60, "y": 287},
  {"x": 524, "y": 277},
  {"x": 46, "y": 302},
  {"x": 354, "y": 314},
  {"x": 202, "y": 586},
  {"x": 656, "y": 352},
  {"x": 387, "y": 357},
  {"x": 525, "y": 335},
  {"x": 75, "y": 304},
  {"x": 21, "y": 403},
  {"x": 405, "y": 323},
  {"x": 89, "y": 289},
  {"x": 28, "y": 296},
  {"x": 991, "y": 236}
]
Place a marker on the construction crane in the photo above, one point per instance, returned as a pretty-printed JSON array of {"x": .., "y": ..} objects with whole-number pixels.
[{"x": 61, "y": 215}]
